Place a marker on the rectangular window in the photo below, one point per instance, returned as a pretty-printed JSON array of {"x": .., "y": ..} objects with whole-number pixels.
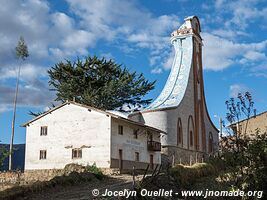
[
  {"x": 120, "y": 129},
  {"x": 43, "y": 130},
  {"x": 135, "y": 133},
  {"x": 42, "y": 155},
  {"x": 76, "y": 153},
  {"x": 137, "y": 156}
]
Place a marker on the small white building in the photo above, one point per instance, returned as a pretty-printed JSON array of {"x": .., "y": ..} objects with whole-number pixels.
[{"x": 76, "y": 133}]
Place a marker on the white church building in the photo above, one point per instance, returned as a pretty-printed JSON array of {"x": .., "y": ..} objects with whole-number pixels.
[
  {"x": 180, "y": 110},
  {"x": 176, "y": 126}
]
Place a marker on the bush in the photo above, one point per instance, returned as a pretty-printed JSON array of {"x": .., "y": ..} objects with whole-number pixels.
[
  {"x": 248, "y": 166},
  {"x": 185, "y": 175},
  {"x": 95, "y": 170}
]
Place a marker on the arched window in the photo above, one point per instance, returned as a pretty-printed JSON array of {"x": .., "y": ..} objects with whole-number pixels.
[
  {"x": 191, "y": 137},
  {"x": 179, "y": 132},
  {"x": 190, "y": 132},
  {"x": 210, "y": 143}
]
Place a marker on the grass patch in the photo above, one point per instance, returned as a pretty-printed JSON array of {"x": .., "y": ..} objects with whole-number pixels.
[{"x": 186, "y": 175}]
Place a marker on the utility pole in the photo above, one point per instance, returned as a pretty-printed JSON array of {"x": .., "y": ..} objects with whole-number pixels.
[{"x": 221, "y": 127}]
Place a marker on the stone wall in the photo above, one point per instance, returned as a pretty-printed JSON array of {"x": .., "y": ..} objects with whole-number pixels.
[
  {"x": 177, "y": 155},
  {"x": 9, "y": 179},
  {"x": 15, "y": 178}
]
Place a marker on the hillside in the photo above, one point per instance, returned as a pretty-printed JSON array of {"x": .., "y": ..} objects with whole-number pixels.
[{"x": 18, "y": 157}]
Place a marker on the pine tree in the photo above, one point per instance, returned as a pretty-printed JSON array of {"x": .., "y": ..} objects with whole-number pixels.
[{"x": 100, "y": 83}]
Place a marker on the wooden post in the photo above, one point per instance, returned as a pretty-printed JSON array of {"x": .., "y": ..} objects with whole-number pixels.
[{"x": 133, "y": 177}]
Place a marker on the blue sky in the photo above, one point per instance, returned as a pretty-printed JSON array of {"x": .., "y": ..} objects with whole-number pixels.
[{"x": 136, "y": 34}]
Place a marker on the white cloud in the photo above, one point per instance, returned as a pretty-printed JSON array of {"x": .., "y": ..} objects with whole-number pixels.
[
  {"x": 28, "y": 72},
  {"x": 156, "y": 71},
  {"x": 230, "y": 34},
  {"x": 127, "y": 23},
  {"x": 235, "y": 89},
  {"x": 254, "y": 55},
  {"x": 242, "y": 13},
  {"x": 52, "y": 36},
  {"x": 107, "y": 56},
  {"x": 220, "y": 53}
]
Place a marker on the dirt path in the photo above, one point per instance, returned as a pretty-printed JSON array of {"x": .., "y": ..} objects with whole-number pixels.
[{"x": 84, "y": 191}]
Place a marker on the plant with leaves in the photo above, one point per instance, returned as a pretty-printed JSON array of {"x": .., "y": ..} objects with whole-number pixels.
[
  {"x": 21, "y": 53},
  {"x": 244, "y": 154},
  {"x": 100, "y": 83},
  {"x": 4, "y": 153}
]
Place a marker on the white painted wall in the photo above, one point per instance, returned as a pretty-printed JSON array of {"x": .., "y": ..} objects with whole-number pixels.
[
  {"x": 70, "y": 125},
  {"x": 130, "y": 145}
]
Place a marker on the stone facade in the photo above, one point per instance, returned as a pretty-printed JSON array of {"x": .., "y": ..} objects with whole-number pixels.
[{"x": 180, "y": 110}]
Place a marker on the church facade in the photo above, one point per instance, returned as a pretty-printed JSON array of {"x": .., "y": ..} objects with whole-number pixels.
[
  {"x": 175, "y": 128},
  {"x": 180, "y": 110}
]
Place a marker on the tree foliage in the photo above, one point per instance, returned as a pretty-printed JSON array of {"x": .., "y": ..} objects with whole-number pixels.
[
  {"x": 98, "y": 82},
  {"x": 22, "y": 49},
  {"x": 4, "y": 153}
]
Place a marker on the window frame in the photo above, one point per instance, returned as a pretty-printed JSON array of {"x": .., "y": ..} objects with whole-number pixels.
[
  {"x": 42, "y": 154},
  {"x": 120, "y": 129},
  {"x": 76, "y": 153},
  {"x": 136, "y": 156},
  {"x": 43, "y": 130},
  {"x": 179, "y": 132},
  {"x": 191, "y": 141},
  {"x": 135, "y": 133}
]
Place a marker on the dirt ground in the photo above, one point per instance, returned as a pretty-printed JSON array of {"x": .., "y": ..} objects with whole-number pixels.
[{"x": 84, "y": 191}]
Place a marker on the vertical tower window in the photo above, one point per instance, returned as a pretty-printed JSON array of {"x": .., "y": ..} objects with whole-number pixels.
[
  {"x": 190, "y": 132},
  {"x": 135, "y": 133},
  {"x": 210, "y": 143},
  {"x": 136, "y": 156},
  {"x": 120, "y": 129},
  {"x": 191, "y": 138},
  {"x": 179, "y": 132}
]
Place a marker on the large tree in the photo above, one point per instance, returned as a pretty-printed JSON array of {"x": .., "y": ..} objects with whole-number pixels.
[{"x": 98, "y": 82}]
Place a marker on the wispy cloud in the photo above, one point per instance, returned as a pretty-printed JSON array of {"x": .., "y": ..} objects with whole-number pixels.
[
  {"x": 235, "y": 89},
  {"x": 220, "y": 53}
]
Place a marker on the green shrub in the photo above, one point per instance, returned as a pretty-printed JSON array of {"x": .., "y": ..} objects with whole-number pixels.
[{"x": 95, "y": 170}]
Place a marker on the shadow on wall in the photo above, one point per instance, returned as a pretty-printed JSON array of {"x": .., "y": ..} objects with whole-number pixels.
[{"x": 18, "y": 158}]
